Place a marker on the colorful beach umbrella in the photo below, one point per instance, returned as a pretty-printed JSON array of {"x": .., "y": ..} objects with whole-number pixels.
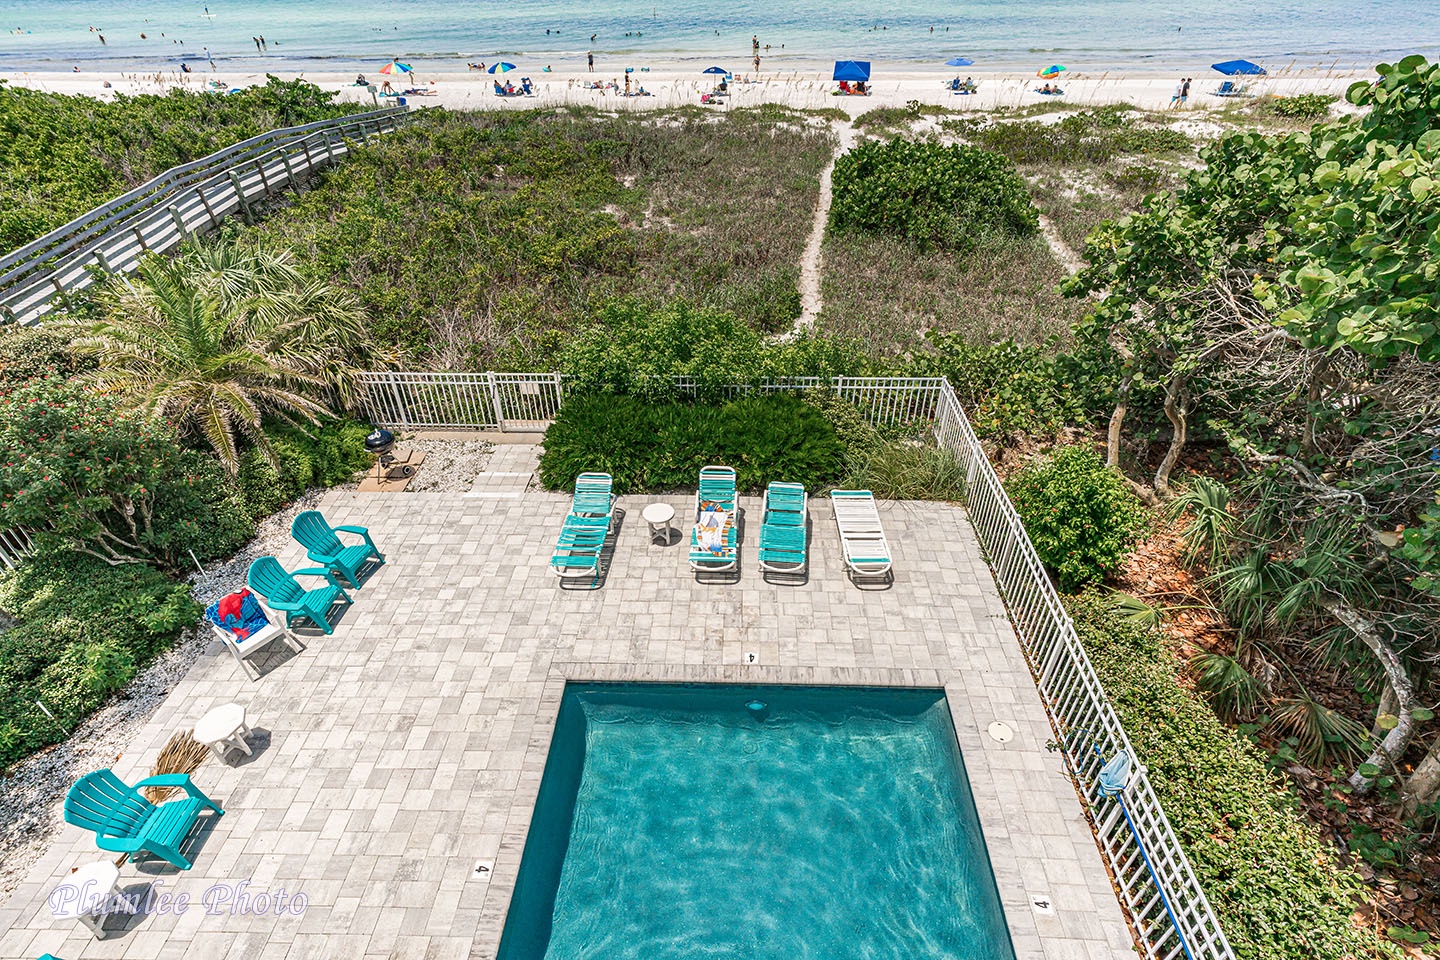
[
  {"x": 1054, "y": 70},
  {"x": 501, "y": 67},
  {"x": 394, "y": 67},
  {"x": 960, "y": 62},
  {"x": 1239, "y": 68}
]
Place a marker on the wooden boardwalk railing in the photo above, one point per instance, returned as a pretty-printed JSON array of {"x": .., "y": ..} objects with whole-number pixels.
[{"x": 192, "y": 198}]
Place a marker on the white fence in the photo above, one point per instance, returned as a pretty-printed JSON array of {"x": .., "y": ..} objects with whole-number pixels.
[
  {"x": 158, "y": 216},
  {"x": 529, "y": 401},
  {"x": 1073, "y": 695}
]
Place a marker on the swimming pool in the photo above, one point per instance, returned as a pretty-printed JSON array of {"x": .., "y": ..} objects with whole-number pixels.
[{"x": 756, "y": 822}]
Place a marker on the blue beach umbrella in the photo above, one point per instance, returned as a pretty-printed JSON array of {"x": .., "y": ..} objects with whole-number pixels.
[
  {"x": 852, "y": 70},
  {"x": 1239, "y": 68},
  {"x": 960, "y": 62},
  {"x": 501, "y": 67},
  {"x": 720, "y": 70}
]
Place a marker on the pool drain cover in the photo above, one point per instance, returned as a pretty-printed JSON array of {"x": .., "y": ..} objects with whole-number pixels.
[{"x": 1000, "y": 732}]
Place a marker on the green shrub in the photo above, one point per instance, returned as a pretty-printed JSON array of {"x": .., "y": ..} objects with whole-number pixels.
[
  {"x": 1081, "y": 517},
  {"x": 31, "y": 353},
  {"x": 1003, "y": 387},
  {"x": 1279, "y": 889},
  {"x": 951, "y": 197},
  {"x": 84, "y": 627},
  {"x": 322, "y": 456},
  {"x": 1304, "y": 106},
  {"x": 662, "y": 446},
  {"x": 84, "y": 472}
]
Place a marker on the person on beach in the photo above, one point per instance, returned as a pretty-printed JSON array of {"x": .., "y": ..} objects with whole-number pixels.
[
  {"x": 1175, "y": 97},
  {"x": 1185, "y": 91},
  {"x": 627, "y": 84},
  {"x": 590, "y": 60},
  {"x": 757, "y": 63},
  {"x": 755, "y": 43}
]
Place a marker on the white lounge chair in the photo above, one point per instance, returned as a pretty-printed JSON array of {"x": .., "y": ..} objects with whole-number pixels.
[{"x": 862, "y": 538}]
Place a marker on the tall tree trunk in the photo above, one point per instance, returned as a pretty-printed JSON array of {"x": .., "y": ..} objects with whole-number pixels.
[
  {"x": 1424, "y": 784},
  {"x": 1315, "y": 391},
  {"x": 1177, "y": 397},
  {"x": 1112, "y": 444},
  {"x": 1392, "y": 748}
]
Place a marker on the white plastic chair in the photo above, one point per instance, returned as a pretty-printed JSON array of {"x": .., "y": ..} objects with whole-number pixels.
[{"x": 243, "y": 649}]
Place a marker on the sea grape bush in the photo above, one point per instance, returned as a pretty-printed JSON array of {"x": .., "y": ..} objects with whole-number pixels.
[
  {"x": 935, "y": 196},
  {"x": 1081, "y": 517}
]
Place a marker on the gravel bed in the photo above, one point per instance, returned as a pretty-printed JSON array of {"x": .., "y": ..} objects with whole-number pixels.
[{"x": 450, "y": 466}]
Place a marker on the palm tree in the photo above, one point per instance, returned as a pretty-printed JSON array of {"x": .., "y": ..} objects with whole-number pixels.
[{"x": 223, "y": 337}]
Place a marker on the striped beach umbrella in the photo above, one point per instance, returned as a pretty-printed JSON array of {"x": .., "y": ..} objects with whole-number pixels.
[
  {"x": 394, "y": 67},
  {"x": 1054, "y": 70},
  {"x": 501, "y": 67}
]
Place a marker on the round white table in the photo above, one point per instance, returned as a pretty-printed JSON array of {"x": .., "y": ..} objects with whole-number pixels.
[
  {"x": 222, "y": 728},
  {"x": 658, "y": 516},
  {"x": 88, "y": 895}
]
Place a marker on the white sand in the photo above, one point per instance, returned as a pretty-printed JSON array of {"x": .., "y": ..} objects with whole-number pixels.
[{"x": 673, "y": 86}]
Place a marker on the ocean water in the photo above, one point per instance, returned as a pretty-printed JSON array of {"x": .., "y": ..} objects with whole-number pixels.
[
  {"x": 675, "y": 823},
  {"x": 1091, "y": 35}
]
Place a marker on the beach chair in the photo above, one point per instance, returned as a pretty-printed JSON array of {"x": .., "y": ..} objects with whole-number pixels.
[
  {"x": 125, "y": 822},
  {"x": 321, "y": 544},
  {"x": 240, "y": 623},
  {"x": 783, "y": 536},
  {"x": 862, "y": 537},
  {"x": 283, "y": 592},
  {"x": 713, "y": 539},
  {"x": 594, "y": 496},
  {"x": 1227, "y": 89},
  {"x": 577, "y": 551}
]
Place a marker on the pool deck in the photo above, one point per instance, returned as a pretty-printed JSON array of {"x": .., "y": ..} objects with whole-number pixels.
[{"x": 407, "y": 747}]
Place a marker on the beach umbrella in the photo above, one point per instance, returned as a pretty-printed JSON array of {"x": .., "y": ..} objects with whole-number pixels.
[
  {"x": 394, "y": 67},
  {"x": 720, "y": 70},
  {"x": 852, "y": 70},
  {"x": 1239, "y": 68},
  {"x": 1054, "y": 70},
  {"x": 960, "y": 62},
  {"x": 501, "y": 67}
]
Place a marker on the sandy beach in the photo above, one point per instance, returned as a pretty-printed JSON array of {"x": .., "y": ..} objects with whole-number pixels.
[{"x": 671, "y": 85}]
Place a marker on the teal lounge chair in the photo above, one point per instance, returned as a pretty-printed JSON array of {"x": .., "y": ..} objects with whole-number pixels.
[
  {"x": 322, "y": 545},
  {"x": 783, "y": 537},
  {"x": 594, "y": 496},
  {"x": 714, "y": 496},
  {"x": 282, "y": 592},
  {"x": 577, "y": 552},
  {"x": 125, "y": 822}
]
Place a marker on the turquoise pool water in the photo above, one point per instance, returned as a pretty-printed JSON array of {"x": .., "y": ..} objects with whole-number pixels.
[{"x": 691, "y": 822}]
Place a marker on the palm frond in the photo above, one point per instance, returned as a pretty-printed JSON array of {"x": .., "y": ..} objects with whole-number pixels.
[
  {"x": 1233, "y": 691},
  {"x": 1324, "y": 734}
]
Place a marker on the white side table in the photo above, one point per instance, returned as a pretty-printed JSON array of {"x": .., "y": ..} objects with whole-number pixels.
[
  {"x": 88, "y": 895},
  {"x": 658, "y": 516},
  {"x": 222, "y": 728}
]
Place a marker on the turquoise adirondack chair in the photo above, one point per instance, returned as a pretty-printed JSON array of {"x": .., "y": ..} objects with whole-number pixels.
[
  {"x": 312, "y": 532},
  {"x": 125, "y": 822},
  {"x": 282, "y": 592}
]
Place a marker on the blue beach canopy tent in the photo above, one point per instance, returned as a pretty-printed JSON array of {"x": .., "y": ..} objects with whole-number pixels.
[
  {"x": 852, "y": 70},
  {"x": 1239, "y": 68}
]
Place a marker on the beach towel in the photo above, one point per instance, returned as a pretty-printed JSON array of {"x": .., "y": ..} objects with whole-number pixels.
[
  {"x": 711, "y": 529},
  {"x": 239, "y": 612}
]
